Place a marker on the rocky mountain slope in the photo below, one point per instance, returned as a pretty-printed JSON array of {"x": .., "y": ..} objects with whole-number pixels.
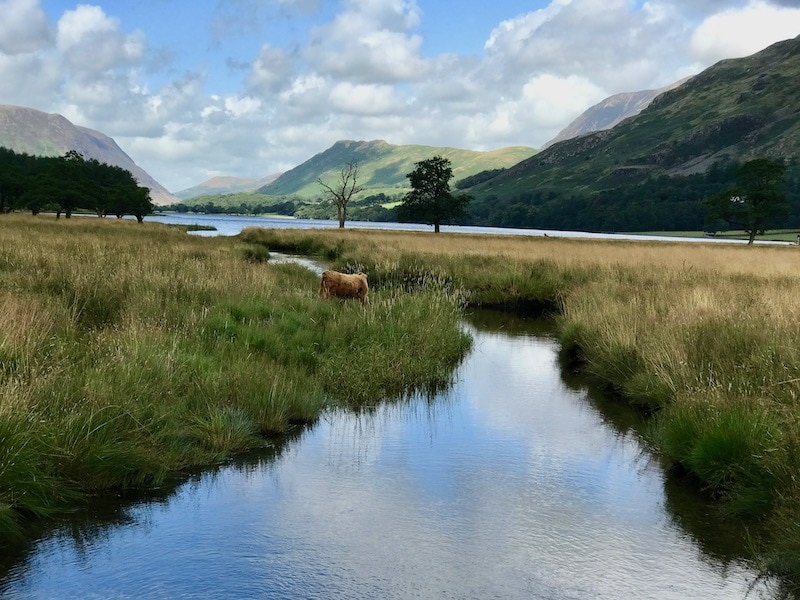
[
  {"x": 607, "y": 113},
  {"x": 737, "y": 109}
]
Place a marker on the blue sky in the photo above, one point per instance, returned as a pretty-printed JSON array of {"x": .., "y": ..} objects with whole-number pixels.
[{"x": 195, "y": 89}]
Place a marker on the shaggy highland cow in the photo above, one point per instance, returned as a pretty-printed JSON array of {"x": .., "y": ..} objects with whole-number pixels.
[{"x": 342, "y": 285}]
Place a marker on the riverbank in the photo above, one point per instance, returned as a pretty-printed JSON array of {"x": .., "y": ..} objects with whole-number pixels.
[
  {"x": 701, "y": 336},
  {"x": 129, "y": 352}
]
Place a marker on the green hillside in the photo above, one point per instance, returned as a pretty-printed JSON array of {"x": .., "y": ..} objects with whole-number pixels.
[
  {"x": 383, "y": 166},
  {"x": 736, "y": 110}
]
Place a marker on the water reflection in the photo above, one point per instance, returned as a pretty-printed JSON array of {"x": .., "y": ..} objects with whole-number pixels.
[{"x": 511, "y": 484}]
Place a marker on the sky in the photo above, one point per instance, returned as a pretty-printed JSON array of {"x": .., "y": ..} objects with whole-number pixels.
[{"x": 193, "y": 89}]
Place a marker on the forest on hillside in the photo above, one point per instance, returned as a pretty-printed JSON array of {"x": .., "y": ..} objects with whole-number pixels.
[{"x": 663, "y": 203}]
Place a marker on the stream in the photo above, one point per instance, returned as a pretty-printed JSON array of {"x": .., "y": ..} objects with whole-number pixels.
[{"x": 517, "y": 482}]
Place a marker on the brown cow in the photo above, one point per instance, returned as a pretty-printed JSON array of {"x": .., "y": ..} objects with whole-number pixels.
[{"x": 342, "y": 285}]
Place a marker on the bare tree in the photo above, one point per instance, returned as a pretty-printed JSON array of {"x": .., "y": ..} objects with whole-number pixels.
[{"x": 343, "y": 189}]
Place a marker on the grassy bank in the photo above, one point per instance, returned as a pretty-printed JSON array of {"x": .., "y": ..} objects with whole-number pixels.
[
  {"x": 771, "y": 235},
  {"x": 704, "y": 336},
  {"x": 129, "y": 352}
]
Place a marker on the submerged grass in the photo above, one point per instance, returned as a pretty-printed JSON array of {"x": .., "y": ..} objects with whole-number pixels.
[
  {"x": 704, "y": 336},
  {"x": 129, "y": 352}
]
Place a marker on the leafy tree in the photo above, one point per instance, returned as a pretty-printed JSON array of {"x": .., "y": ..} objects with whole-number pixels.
[
  {"x": 138, "y": 203},
  {"x": 11, "y": 189},
  {"x": 341, "y": 191},
  {"x": 67, "y": 183},
  {"x": 757, "y": 200},
  {"x": 430, "y": 200}
]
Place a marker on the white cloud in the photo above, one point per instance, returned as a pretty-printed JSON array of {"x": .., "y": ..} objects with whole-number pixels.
[
  {"x": 369, "y": 42},
  {"x": 23, "y": 27},
  {"x": 271, "y": 70},
  {"x": 511, "y": 35},
  {"x": 743, "y": 31},
  {"x": 240, "y": 106},
  {"x": 392, "y": 14},
  {"x": 544, "y": 104},
  {"x": 305, "y": 98},
  {"x": 91, "y": 41},
  {"x": 18, "y": 87},
  {"x": 365, "y": 99},
  {"x": 617, "y": 47},
  {"x": 558, "y": 100}
]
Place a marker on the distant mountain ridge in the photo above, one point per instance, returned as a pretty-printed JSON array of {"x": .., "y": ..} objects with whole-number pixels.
[
  {"x": 607, "y": 113},
  {"x": 225, "y": 185},
  {"x": 34, "y": 132},
  {"x": 384, "y": 166},
  {"x": 737, "y": 109}
]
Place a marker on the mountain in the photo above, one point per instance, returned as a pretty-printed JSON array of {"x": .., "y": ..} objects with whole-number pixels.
[
  {"x": 383, "y": 166},
  {"x": 609, "y": 112},
  {"x": 737, "y": 109},
  {"x": 42, "y": 134},
  {"x": 225, "y": 185}
]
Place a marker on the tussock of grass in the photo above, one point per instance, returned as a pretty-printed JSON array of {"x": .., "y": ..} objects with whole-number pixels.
[
  {"x": 386, "y": 338},
  {"x": 279, "y": 240},
  {"x": 735, "y": 449},
  {"x": 224, "y": 430}
]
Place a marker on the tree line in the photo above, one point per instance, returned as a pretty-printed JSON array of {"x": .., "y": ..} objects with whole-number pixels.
[
  {"x": 768, "y": 192},
  {"x": 750, "y": 196},
  {"x": 367, "y": 208},
  {"x": 65, "y": 184}
]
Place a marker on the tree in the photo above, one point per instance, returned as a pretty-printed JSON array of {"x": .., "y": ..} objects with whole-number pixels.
[
  {"x": 344, "y": 189},
  {"x": 430, "y": 200},
  {"x": 13, "y": 170},
  {"x": 66, "y": 181},
  {"x": 757, "y": 200},
  {"x": 118, "y": 192},
  {"x": 139, "y": 203}
]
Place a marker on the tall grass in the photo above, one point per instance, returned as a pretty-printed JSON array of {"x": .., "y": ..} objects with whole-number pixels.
[
  {"x": 129, "y": 352},
  {"x": 704, "y": 336}
]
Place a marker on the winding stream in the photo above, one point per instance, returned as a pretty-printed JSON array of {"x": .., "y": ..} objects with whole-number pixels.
[{"x": 516, "y": 483}]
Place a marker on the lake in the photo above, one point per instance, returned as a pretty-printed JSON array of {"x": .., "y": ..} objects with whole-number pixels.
[
  {"x": 232, "y": 225},
  {"x": 517, "y": 482}
]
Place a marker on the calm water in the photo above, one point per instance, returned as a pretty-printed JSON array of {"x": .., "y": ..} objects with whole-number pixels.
[
  {"x": 516, "y": 483},
  {"x": 232, "y": 225}
]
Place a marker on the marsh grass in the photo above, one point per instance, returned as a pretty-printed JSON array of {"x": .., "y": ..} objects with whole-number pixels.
[
  {"x": 129, "y": 352},
  {"x": 386, "y": 338}
]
